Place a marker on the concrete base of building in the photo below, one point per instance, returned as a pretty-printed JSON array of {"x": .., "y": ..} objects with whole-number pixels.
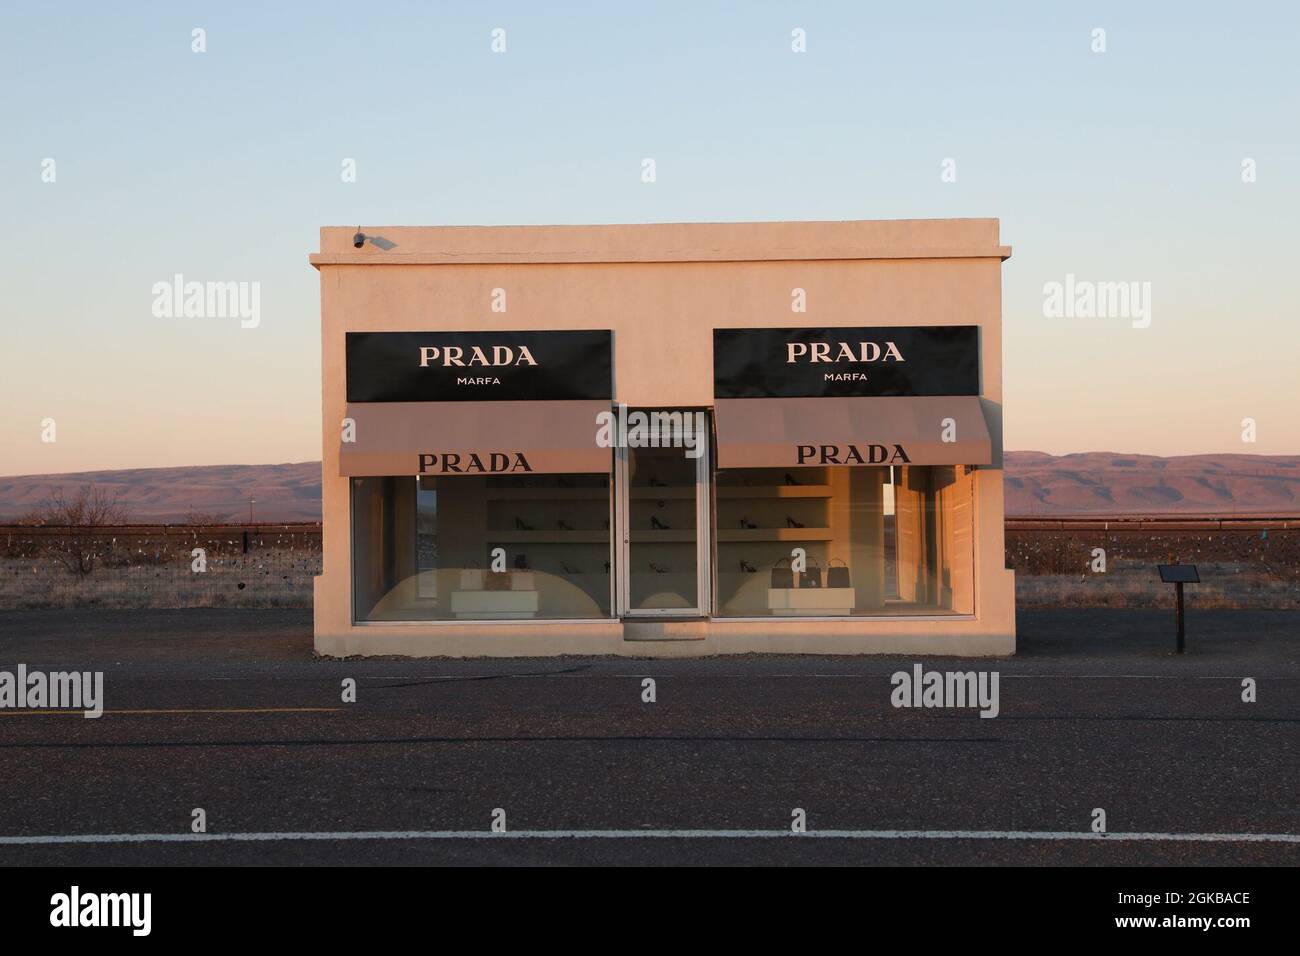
[
  {"x": 993, "y": 635},
  {"x": 664, "y": 639},
  {"x": 990, "y": 632}
]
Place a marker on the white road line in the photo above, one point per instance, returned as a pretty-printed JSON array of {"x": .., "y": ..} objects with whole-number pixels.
[
  {"x": 1005, "y": 675},
  {"x": 1047, "y": 835}
]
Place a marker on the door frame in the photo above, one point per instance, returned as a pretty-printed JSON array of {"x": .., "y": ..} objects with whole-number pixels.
[{"x": 703, "y": 539}]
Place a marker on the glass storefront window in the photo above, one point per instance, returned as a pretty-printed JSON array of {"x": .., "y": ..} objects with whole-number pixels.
[
  {"x": 422, "y": 547},
  {"x": 879, "y": 541},
  {"x": 663, "y": 572}
]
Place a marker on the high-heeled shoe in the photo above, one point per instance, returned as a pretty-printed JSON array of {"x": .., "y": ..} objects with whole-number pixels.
[
  {"x": 656, "y": 483},
  {"x": 746, "y": 523},
  {"x": 748, "y": 568},
  {"x": 607, "y": 567},
  {"x": 657, "y": 568},
  {"x": 564, "y": 525},
  {"x": 789, "y": 479},
  {"x": 791, "y": 523},
  {"x": 569, "y": 569},
  {"x": 521, "y": 525},
  {"x": 657, "y": 524}
]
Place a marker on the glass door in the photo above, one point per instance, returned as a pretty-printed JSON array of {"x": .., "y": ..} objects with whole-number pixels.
[{"x": 662, "y": 511}]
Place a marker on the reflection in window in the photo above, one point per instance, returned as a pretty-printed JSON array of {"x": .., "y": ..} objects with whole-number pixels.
[
  {"x": 423, "y": 548},
  {"x": 878, "y": 541}
]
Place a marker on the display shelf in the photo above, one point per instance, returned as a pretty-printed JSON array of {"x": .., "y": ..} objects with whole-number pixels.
[
  {"x": 549, "y": 494},
  {"x": 773, "y": 491},
  {"x": 686, "y": 535},
  {"x": 510, "y": 536},
  {"x": 775, "y": 534},
  {"x": 504, "y": 604},
  {"x": 651, "y": 494},
  {"x": 810, "y": 602}
]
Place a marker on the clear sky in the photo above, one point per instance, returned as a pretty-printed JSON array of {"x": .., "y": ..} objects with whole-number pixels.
[{"x": 1117, "y": 166}]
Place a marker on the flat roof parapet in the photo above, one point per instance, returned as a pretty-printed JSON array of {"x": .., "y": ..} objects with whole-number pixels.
[{"x": 666, "y": 242}]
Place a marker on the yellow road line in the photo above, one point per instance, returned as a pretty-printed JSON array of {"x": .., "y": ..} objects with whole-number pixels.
[{"x": 177, "y": 710}]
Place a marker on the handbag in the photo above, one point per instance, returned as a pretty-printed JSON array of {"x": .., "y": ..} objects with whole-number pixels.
[
  {"x": 837, "y": 577},
  {"x": 497, "y": 581},
  {"x": 782, "y": 577},
  {"x": 471, "y": 577},
  {"x": 811, "y": 577}
]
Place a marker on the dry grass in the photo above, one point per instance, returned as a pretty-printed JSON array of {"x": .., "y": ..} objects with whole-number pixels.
[
  {"x": 1239, "y": 569},
  {"x": 152, "y": 569},
  {"x": 260, "y": 581},
  {"x": 144, "y": 568},
  {"x": 1223, "y": 587}
]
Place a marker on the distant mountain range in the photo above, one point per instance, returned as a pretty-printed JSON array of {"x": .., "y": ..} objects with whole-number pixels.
[
  {"x": 211, "y": 492},
  {"x": 1091, "y": 483},
  {"x": 1107, "y": 483}
]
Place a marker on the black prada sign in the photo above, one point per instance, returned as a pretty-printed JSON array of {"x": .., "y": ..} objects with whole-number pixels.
[
  {"x": 479, "y": 366},
  {"x": 816, "y": 363},
  {"x": 893, "y": 454},
  {"x": 473, "y": 463}
]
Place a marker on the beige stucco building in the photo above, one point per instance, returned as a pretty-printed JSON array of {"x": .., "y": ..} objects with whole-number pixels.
[{"x": 663, "y": 440}]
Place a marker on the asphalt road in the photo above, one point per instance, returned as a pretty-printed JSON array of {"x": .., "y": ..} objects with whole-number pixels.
[{"x": 227, "y": 710}]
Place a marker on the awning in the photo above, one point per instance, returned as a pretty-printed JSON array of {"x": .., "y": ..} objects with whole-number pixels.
[
  {"x": 789, "y": 432},
  {"x": 474, "y": 438}
]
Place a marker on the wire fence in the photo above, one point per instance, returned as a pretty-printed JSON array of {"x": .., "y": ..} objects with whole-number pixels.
[
  {"x": 160, "y": 566},
  {"x": 1085, "y": 567},
  {"x": 274, "y": 565}
]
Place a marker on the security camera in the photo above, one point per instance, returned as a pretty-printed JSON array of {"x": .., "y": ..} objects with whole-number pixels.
[{"x": 359, "y": 240}]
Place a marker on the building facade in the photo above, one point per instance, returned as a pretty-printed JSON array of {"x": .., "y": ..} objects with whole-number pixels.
[{"x": 663, "y": 440}]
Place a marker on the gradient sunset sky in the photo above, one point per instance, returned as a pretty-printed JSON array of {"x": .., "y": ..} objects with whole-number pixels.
[{"x": 1117, "y": 166}]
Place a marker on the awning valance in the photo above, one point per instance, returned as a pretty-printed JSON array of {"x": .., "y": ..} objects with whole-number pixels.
[
  {"x": 789, "y": 432},
  {"x": 473, "y": 438}
]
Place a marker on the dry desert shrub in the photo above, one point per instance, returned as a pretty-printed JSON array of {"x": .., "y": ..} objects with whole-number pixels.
[{"x": 79, "y": 545}]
